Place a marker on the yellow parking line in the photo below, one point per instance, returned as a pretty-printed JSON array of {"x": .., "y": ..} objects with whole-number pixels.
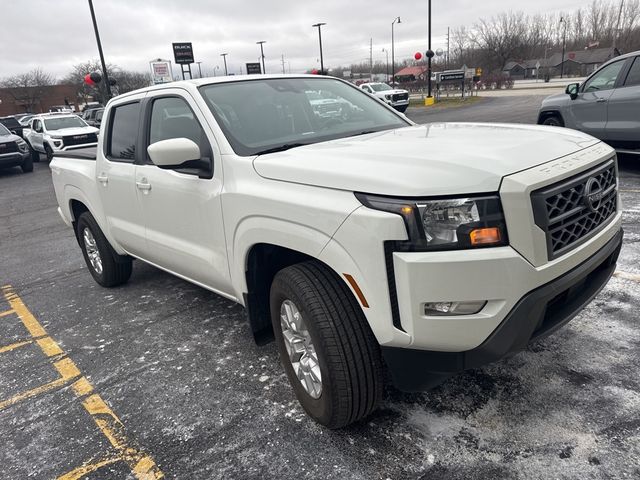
[
  {"x": 13, "y": 346},
  {"x": 627, "y": 276},
  {"x": 5, "y": 313},
  {"x": 630, "y": 191},
  {"x": 88, "y": 468},
  {"x": 141, "y": 464}
]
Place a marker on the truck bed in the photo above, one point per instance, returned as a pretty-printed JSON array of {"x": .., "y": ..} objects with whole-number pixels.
[{"x": 87, "y": 153}]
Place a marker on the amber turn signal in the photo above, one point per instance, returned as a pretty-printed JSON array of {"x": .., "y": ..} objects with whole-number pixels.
[{"x": 485, "y": 236}]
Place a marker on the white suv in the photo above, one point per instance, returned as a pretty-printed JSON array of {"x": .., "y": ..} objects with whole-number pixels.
[
  {"x": 49, "y": 134},
  {"x": 396, "y": 97}
]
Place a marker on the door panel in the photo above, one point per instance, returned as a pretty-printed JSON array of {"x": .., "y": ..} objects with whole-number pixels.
[
  {"x": 623, "y": 116},
  {"x": 183, "y": 212},
  {"x": 589, "y": 110},
  {"x": 116, "y": 179}
]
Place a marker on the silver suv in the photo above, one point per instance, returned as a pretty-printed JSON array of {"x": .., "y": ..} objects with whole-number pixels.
[{"x": 606, "y": 105}]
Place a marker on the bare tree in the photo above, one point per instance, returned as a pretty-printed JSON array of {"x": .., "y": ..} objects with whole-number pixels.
[
  {"x": 125, "y": 80},
  {"x": 27, "y": 89},
  {"x": 504, "y": 35}
]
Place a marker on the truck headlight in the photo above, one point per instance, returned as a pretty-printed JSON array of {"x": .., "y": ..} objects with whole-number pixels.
[
  {"x": 448, "y": 223},
  {"x": 22, "y": 145},
  {"x": 388, "y": 97}
]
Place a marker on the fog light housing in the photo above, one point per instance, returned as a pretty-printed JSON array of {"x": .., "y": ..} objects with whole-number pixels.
[{"x": 441, "y": 309}]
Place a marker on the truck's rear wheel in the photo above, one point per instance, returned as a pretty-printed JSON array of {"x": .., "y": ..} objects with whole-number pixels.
[
  {"x": 27, "y": 165},
  {"x": 326, "y": 346},
  {"x": 107, "y": 267},
  {"x": 35, "y": 155}
]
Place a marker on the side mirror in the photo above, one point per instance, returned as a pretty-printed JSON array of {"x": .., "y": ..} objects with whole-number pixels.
[
  {"x": 572, "y": 90},
  {"x": 173, "y": 152}
]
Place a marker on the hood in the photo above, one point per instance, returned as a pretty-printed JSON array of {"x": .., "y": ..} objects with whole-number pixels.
[
  {"x": 434, "y": 159},
  {"x": 556, "y": 100},
  {"x": 9, "y": 138},
  {"x": 73, "y": 131},
  {"x": 390, "y": 92}
]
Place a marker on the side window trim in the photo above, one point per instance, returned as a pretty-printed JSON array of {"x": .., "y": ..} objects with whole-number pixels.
[
  {"x": 634, "y": 61},
  {"x": 109, "y": 133}
]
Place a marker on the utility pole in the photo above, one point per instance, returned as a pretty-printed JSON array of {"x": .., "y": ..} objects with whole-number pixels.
[
  {"x": 393, "y": 53},
  {"x": 224, "y": 57},
  {"x": 105, "y": 75},
  {"x": 199, "y": 69},
  {"x": 319, "y": 25},
  {"x": 283, "y": 64},
  {"x": 448, "y": 45},
  {"x": 564, "y": 45},
  {"x": 261, "y": 43},
  {"x": 371, "y": 60},
  {"x": 617, "y": 37}
]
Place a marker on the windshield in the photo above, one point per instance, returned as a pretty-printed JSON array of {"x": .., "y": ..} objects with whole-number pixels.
[
  {"x": 258, "y": 116},
  {"x": 380, "y": 87},
  {"x": 4, "y": 130},
  {"x": 64, "y": 122},
  {"x": 10, "y": 122}
]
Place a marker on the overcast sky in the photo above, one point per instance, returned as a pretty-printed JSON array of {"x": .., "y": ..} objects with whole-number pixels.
[{"x": 55, "y": 34}]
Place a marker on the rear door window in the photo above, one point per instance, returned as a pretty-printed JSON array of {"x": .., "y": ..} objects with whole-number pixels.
[{"x": 123, "y": 134}]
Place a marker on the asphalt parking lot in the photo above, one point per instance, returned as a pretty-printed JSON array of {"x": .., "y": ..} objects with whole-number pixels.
[{"x": 160, "y": 377}]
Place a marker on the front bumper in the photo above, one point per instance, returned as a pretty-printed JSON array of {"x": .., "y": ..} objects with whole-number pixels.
[
  {"x": 536, "y": 314},
  {"x": 13, "y": 159}
]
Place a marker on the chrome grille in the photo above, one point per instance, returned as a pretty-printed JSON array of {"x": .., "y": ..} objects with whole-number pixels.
[
  {"x": 571, "y": 211},
  {"x": 399, "y": 96}
]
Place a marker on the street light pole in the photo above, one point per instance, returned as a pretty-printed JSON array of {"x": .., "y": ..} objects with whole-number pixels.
[
  {"x": 105, "y": 75},
  {"x": 393, "y": 52},
  {"x": 319, "y": 25},
  {"x": 224, "y": 56},
  {"x": 262, "y": 42},
  {"x": 199, "y": 68},
  {"x": 429, "y": 54},
  {"x": 387, "y": 52},
  {"x": 564, "y": 44}
]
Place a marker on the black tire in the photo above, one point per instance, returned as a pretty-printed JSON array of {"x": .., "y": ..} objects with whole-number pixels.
[
  {"x": 27, "y": 165},
  {"x": 116, "y": 269},
  {"x": 553, "y": 121},
  {"x": 35, "y": 155},
  {"x": 49, "y": 152},
  {"x": 348, "y": 353}
]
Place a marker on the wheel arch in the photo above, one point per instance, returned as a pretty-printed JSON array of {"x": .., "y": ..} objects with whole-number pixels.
[{"x": 552, "y": 112}]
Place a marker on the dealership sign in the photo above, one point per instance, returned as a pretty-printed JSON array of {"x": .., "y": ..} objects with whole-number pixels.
[
  {"x": 183, "y": 53},
  {"x": 253, "y": 68},
  {"x": 161, "y": 71},
  {"x": 451, "y": 75}
]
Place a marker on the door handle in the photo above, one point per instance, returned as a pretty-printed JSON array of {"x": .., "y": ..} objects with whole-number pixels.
[
  {"x": 103, "y": 179},
  {"x": 143, "y": 185},
  {"x": 601, "y": 100}
]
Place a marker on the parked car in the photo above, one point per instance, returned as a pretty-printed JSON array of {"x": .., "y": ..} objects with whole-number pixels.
[
  {"x": 25, "y": 119},
  {"x": 397, "y": 98},
  {"x": 14, "y": 151},
  {"x": 358, "y": 242},
  {"x": 90, "y": 115},
  {"x": 58, "y": 133},
  {"x": 13, "y": 125},
  {"x": 606, "y": 105}
]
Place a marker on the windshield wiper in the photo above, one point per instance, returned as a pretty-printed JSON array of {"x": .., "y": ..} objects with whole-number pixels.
[
  {"x": 280, "y": 148},
  {"x": 364, "y": 132}
]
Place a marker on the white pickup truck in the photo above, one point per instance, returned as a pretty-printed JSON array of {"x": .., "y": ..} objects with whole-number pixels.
[{"x": 359, "y": 242}]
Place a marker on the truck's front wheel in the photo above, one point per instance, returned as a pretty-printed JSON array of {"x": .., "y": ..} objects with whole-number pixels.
[
  {"x": 105, "y": 265},
  {"x": 326, "y": 346}
]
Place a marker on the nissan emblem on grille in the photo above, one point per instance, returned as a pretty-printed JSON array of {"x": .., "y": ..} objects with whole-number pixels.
[
  {"x": 593, "y": 194},
  {"x": 573, "y": 210}
]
